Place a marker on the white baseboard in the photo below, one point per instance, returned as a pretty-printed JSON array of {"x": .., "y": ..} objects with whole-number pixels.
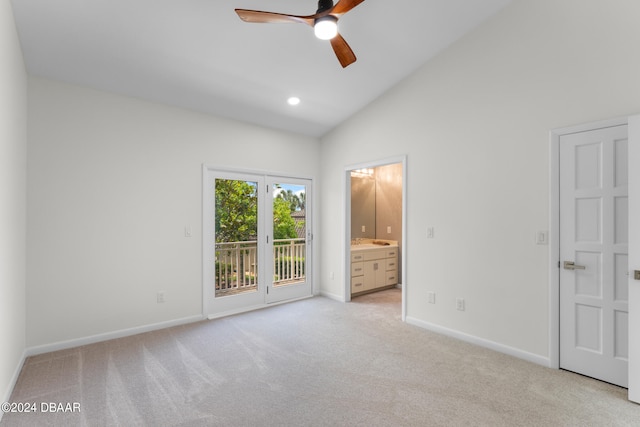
[
  {"x": 14, "y": 380},
  {"x": 254, "y": 308},
  {"x": 62, "y": 345},
  {"x": 332, "y": 296},
  {"x": 501, "y": 348}
]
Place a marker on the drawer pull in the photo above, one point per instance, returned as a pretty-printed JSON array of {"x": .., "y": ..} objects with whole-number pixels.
[{"x": 358, "y": 269}]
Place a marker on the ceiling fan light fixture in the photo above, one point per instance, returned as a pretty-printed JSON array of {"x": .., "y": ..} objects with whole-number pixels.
[{"x": 326, "y": 28}]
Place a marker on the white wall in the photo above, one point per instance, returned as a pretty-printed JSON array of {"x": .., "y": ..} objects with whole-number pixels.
[
  {"x": 474, "y": 124},
  {"x": 13, "y": 170},
  {"x": 112, "y": 183}
]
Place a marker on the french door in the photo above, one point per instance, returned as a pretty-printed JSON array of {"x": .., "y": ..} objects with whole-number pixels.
[
  {"x": 594, "y": 308},
  {"x": 290, "y": 246},
  {"x": 257, "y": 241}
]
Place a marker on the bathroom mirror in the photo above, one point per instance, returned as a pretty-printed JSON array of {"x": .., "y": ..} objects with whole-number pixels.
[{"x": 363, "y": 204}]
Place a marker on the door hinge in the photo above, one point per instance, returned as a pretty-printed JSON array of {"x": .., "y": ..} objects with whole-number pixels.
[
  {"x": 267, "y": 239},
  {"x": 558, "y": 263},
  {"x": 267, "y": 290}
]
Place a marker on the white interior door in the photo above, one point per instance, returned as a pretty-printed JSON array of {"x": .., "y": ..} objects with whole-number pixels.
[{"x": 594, "y": 254}]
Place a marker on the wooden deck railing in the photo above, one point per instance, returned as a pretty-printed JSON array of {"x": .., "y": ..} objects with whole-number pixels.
[{"x": 235, "y": 258}]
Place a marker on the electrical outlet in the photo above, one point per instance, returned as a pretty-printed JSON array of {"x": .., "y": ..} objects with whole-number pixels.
[
  {"x": 388, "y": 229},
  {"x": 460, "y": 304},
  {"x": 160, "y": 297},
  {"x": 431, "y": 297},
  {"x": 430, "y": 233}
]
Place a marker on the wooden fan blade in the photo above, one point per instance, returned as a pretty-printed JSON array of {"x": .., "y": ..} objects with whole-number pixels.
[
  {"x": 343, "y": 51},
  {"x": 344, "y": 6},
  {"x": 272, "y": 17}
]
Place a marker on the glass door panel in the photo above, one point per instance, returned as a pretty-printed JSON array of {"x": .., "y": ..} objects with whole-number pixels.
[
  {"x": 290, "y": 245},
  {"x": 234, "y": 271},
  {"x": 236, "y": 216}
]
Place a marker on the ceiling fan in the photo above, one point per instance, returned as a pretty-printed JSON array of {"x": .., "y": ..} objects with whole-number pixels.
[{"x": 324, "y": 22}]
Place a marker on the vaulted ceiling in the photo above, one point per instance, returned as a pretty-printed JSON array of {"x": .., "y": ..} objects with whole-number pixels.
[{"x": 198, "y": 54}]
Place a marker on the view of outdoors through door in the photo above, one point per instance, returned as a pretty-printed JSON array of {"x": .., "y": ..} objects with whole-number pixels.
[
  {"x": 290, "y": 242},
  {"x": 289, "y": 234},
  {"x": 256, "y": 240},
  {"x": 236, "y": 214}
]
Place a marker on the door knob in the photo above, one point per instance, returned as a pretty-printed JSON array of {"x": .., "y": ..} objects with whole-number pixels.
[{"x": 570, "y": 265}]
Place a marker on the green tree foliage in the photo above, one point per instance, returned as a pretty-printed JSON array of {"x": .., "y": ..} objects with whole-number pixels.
[
  {"x": 296, "y": 201},
  {"x": 236, "y": 211},
  {"x": 284, "y": 227}
]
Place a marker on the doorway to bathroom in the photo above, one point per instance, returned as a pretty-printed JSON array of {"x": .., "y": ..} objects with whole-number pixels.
[{"x": 375, "y": 231}]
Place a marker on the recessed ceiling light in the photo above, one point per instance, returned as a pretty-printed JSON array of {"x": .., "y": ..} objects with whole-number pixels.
[{"x": 294, "y": 100}]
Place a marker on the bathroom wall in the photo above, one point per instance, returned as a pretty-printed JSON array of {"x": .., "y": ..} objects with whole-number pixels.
[
  {"x": 389, "y": 202},
  {"x": 389, "y": 206}
]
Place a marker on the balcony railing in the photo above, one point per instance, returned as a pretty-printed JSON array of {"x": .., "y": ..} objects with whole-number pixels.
[
  {"x": 288, "y": 261},
  {"x": 237, "y": 265}
]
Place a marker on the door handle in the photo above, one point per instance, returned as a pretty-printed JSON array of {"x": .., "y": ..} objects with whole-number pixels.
[{"x": 570, "y": 265}]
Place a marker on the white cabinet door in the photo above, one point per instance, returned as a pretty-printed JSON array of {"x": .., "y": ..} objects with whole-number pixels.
[{"x": 594, "y": 237}]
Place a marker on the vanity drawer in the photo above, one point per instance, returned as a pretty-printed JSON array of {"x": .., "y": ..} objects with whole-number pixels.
[
  {"x": 357, "y": 256},
  {"x": 391, "y": 253},
  {"x": 357, "y": 284},
  {"x": 357, "y": 269},
  {"x": 392, "y": 264},
  {"x": 392, "y": 278}
]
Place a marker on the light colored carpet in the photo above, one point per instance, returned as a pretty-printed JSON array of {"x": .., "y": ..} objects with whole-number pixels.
[{"x": 315, "y": 362}]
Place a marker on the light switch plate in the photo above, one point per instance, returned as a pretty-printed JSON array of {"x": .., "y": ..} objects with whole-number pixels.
[
  {"x": 542, "y": 238},
  {"x": 431, "y": 297}
]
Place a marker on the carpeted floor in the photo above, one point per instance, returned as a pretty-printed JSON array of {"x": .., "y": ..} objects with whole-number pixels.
[{"x": 315, "y": 362}]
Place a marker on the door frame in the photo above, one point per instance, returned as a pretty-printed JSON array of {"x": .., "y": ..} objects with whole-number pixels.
[
  {"x": 554, "y": 228},
  {"x": 207, "y": 229},
  {"x": 347, "y": 224}
]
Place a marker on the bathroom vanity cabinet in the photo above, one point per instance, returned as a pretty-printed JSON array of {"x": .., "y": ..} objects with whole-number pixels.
[{"x": 373, "y": 267}]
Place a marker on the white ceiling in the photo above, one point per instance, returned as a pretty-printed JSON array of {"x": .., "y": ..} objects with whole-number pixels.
[{"x": 198, "y": 54}]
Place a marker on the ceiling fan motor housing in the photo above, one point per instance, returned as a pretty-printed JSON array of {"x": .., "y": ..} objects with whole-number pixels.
[{"x": 324, "y": 5}]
